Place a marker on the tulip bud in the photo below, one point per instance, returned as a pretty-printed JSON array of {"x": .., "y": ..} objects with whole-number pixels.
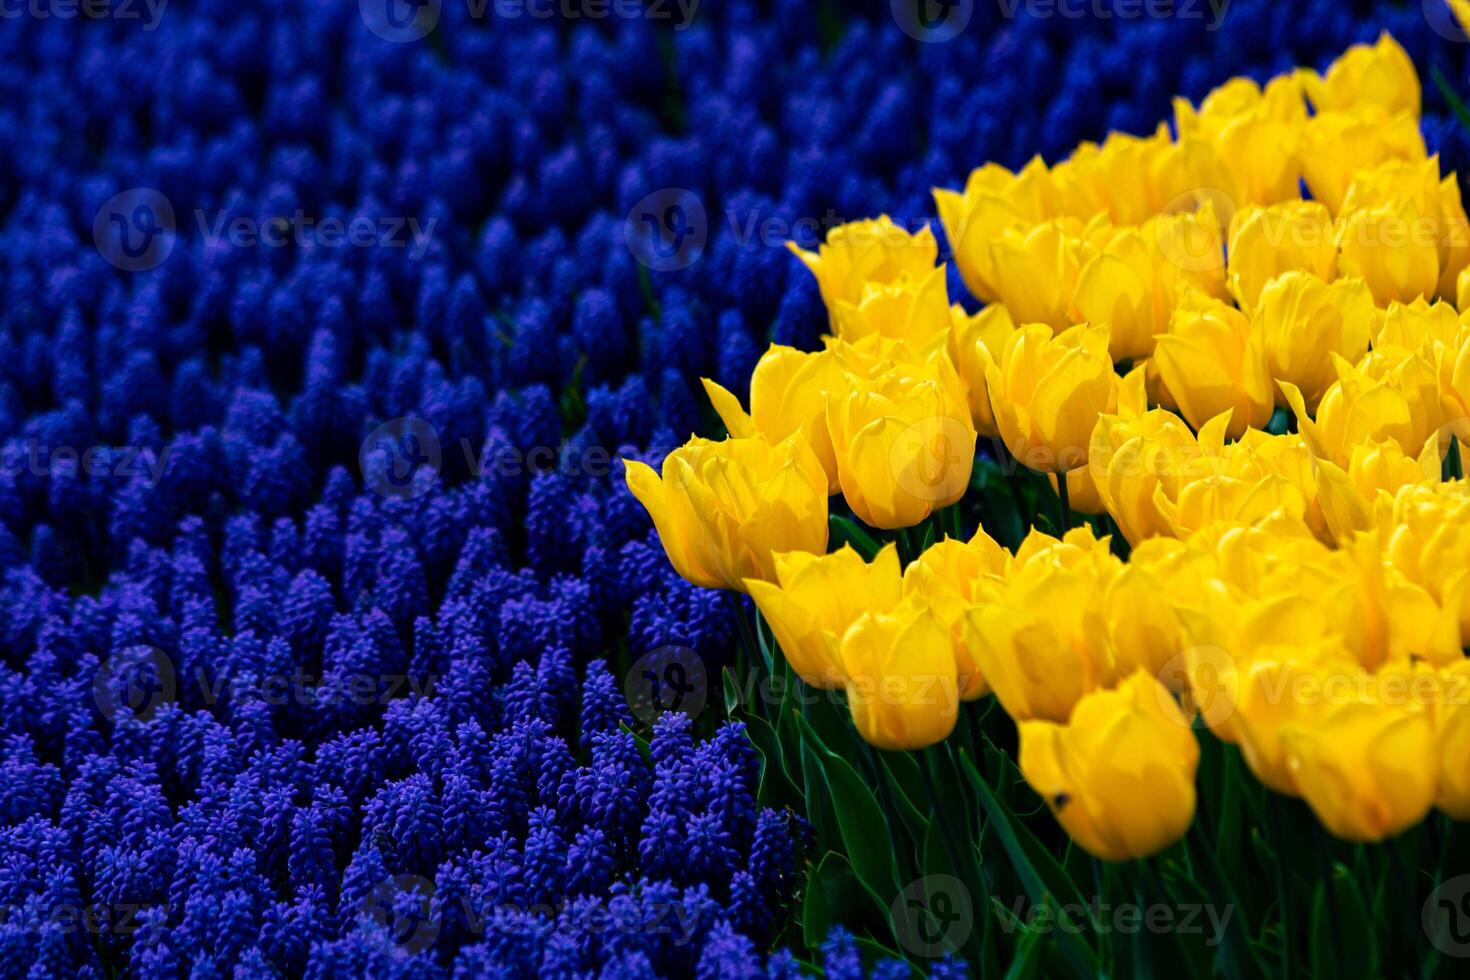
[
  {"x": 724, "y": 509},
  {"x": 1038, "y": 269},
  {"x": 1381, "y": 74},
  {"x": 903, "y": 440},
  {"x": 1452, "y": 741},
  {"x": 1124, "y": 287},
  {"x": 1392, "y": 394},
  {"x": 994, "y": 201},
  {"x": 816, "y": 598},
  {"x": 953, "y": 578},
  {"x": 1043, "y": 644},
  {"x": 1366, "y": 766},
  {"x": 1302, "y": 321},
  {"x": 901, "y": 679},
  {"x": 1211, "y": 363},
  {"x": 974, "y": 343},
  {"x": 1337, "y": 145},
  {"x": 1394, "y": 248},
  {"x": 864, "y": 252},
  {"x": 1293, "y": 236},
  {"x": 904, "y": 310},
  {"x": 788, "y": 394},
  {"x": 1255, "y": 134},
  {"x": 1048, "y": 392},
  {"x": 1119, "y": 774}
]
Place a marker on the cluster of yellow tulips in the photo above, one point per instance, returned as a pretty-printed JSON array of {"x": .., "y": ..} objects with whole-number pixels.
[{"x": 1152, "y": 303}]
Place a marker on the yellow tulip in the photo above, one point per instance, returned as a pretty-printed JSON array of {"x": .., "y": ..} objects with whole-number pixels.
[
  {"x": 788, "y": 394},
  {"x": 1453, "y": 368},
  {"x": 1191, "y": 245},
  {"x": 904, "y": 441},
  {"x": 1256, "y": 134},
  {"x": 994, "y": 201},
  {"x": 1452, "y": 740},
  {"x": 1048, "y": 392},
  {"x": 724, "y": 509},
  {"x": 1381, "y": 74},
  {"x": 814, "y": 600},
  {"x": 1212, "y": 362},
  {"x": 1303, "y": 321},
  {"x": 1043, "y": 643},
  {"x": 1409, "y": 326},
  {"x": 953, "y": 578},
  {"x": 901, "y": 679},
  {"x": 1336, "y": 145},
  {"x": 1082, "y": 492},
  {"x": 1391, "y": 395},
  {"x": 1394, "y": 248},
  {"x": 1116, "y": 179},
  {"x": 1435, "y": 216},
  {"x": 1124, "y": 286},
  {"x": 1119, "y": 776},
  {"x": 863, "y": 252},
  {"x": 974, "y": 343},
  {"x": 1293, "y": 236},
  {"x": 1426, "y": 538},
  {"x": 1461, "y": 10},
  {"x": 1377, "y": 468},
  {"x": 1366, "y": 767},
  {"x": 1037, "y": 271},
  {"x": 1145, "y": 631},
  {"x": 903, "y": 310},
  {"x": 1135, "y": 460}
]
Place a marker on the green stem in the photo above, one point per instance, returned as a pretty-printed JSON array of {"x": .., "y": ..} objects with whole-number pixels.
[
  {"x": 750, "y": 649},
  {"x": 926, "y": 767},
  {"x": 1405, "y": 901},
  {"x": 890, "y": 812},
  {"x": 1330, "y": 892},
  {"x": 1062, "y": 494},
  {"x": 1273, "y": 829}
]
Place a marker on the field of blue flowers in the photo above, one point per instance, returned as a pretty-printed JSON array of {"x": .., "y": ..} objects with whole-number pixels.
[{"x": 330, "y": 636}]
